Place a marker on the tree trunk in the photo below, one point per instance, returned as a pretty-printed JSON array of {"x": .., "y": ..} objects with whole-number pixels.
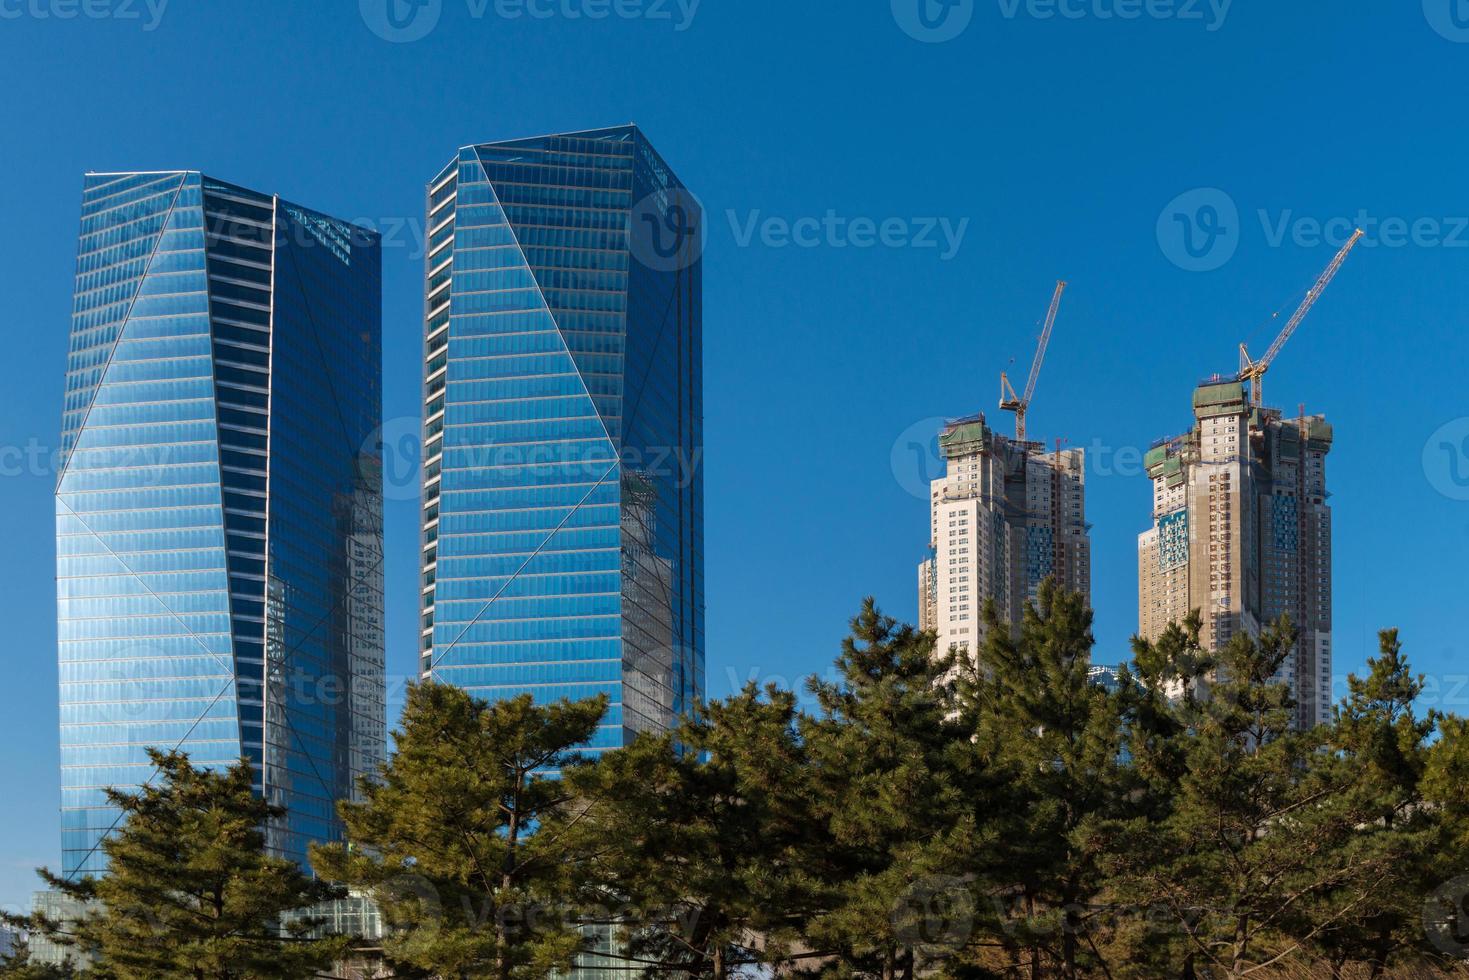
[
  {"x": 1035, "y": 951},
  {"x": 1068, "y": 944},
  {"x": 507, "y": 879},
  {"x": 1241, "y": 945},
  {"x": 1381, "y": 949}
]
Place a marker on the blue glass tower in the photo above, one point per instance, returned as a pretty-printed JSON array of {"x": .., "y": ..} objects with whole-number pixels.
[
  {"x": 563, "y": 434},
  {"x": 219, "y": 503}
]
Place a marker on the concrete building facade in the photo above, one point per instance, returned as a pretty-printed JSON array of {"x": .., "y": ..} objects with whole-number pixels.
[
  {"x": 1242, "y": 532},
  {"x": 1005, "y": 516}
]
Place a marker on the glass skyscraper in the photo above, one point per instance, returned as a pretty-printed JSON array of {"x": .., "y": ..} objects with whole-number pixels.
[
  {"x": 563, "y": 434},
  {"x": 219, "y": 501}
]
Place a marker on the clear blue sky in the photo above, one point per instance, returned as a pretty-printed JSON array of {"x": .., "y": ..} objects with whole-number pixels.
[{"x": 1060, "y": 140}]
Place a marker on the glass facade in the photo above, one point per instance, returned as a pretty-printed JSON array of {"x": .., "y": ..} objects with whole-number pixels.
[
  {"x": 219, "y": 503},
  {"x": 563, "y": 481}
]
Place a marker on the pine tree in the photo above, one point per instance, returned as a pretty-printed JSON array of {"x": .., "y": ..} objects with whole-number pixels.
[
  {"x": 701, "y": 828},
  {"x": 1058, "y": 738},
  {"x": 19, "y": 966},
  {"x": 461, "y": 838},
  {"x": 888, "y": 759},
  {"x": 1378, "y": 759},
  {"x": 1158, "y": 695},
  {"x": 190, "y": 891},
  {"x": 1264, "y": 851},
  {"x": 1445, "y": 787}
]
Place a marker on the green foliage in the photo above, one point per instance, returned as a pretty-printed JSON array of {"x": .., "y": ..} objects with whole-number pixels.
[
  {"x": 19, "y": 966},
  {"x": 1282, "y": 846},
  {"x": 931, "y": 814},
  {"x": 1057, "y": 738},
  {"x": 190, "y": 890},
  {"x": 701, "y": 832},
  {"x": 889, "y": 763},
  {"x": 463, "y": 839}
]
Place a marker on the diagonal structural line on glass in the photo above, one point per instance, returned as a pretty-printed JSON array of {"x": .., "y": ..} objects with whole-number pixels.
[
  {"x": 192, "y": 634},
  {"x": 185, "y": 737},
  {"x": 122, "y": 324},
  {"x": 188, "y": 630},
  {"x": 515, "y": 238},
  {"x": 528, "y": 559},
  {"x": 636, "y": 404},
  {"x": 229, "y": 668},
  {"x": 182, "y": 739}
]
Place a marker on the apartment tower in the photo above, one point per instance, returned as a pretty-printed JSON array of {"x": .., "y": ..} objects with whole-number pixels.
[
  {"x": 219, "y": 504},
  {"x": 1005, "y": 516},
  {"x": 1242, "y": 532}
]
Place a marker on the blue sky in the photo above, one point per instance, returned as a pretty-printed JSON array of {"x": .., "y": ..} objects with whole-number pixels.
[{"x": 1051, "y": 138}]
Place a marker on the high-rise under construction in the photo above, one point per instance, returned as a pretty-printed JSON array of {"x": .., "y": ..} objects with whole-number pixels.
[
  {"x": 1242, "y": 532},
  {"x": 1006, "y": 515}
]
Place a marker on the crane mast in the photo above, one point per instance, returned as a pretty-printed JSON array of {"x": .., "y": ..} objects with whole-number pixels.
[
  {"x": 1009, "y": 401},
  {"x": 1254, "y": 371}
]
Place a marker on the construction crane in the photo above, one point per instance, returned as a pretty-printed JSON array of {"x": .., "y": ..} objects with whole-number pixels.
[
  {"x": 1254, "y": 371},
  {"x": 1019, "y": 405}
]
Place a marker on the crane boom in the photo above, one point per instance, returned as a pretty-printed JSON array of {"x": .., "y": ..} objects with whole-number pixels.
[
  {"x": 1019, "y": 405},
  {"x": 1254, "y": 371}
]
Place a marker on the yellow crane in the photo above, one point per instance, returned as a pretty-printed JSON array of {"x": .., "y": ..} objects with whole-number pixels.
[
  {"x": 1009, "y": 402},
  {"x": 1254, "y": 371}
]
